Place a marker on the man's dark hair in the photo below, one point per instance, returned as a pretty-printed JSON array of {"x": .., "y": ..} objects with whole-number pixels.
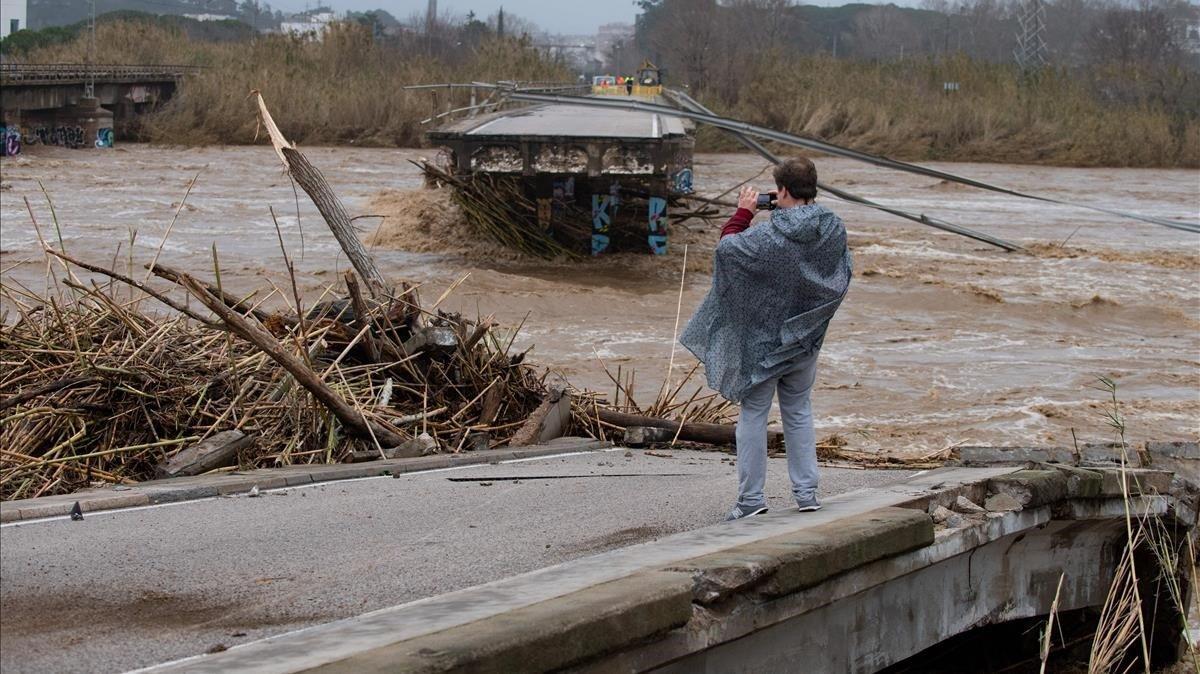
[{"x": 799, "y": 176}]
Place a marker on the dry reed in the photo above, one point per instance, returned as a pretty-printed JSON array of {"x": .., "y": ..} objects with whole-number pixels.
[
  {"x": 345, "y": 88},
  {"x": 97, "y": 388},
  {"x": 899, "y": 109},
  {"x": 348, "y": 88}
]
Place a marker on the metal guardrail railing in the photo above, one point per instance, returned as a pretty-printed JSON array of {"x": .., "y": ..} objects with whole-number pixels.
[{"x": 35, "y": 73}]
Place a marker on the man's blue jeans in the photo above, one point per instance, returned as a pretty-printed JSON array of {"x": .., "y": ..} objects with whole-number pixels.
[{"x": 794, "y": 388}]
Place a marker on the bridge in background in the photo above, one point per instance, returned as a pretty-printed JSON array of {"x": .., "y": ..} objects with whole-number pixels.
[{"x": 77, "y": 104}]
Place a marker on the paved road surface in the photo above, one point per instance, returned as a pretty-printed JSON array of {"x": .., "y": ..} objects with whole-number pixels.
[{"x": 131, "y": 588}]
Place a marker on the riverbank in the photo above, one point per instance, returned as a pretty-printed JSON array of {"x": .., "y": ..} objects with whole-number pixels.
[{"x": 348, "y": 89}]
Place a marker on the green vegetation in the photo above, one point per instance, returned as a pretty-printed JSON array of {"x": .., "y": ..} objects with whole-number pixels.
[{"x": 25, "y": 44}]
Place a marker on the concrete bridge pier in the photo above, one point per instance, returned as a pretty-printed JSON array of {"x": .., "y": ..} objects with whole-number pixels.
[
  {"x": 83, "y": 123},
  {"x": 95, "y": 121}
]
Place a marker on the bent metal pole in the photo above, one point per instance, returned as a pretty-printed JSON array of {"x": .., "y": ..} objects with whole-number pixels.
[
  {"x": 829, "y": 148},
  {"x": 692, "y": 104}
]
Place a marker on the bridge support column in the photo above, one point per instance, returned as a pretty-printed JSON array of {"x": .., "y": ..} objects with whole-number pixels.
[
  {"x": 95, "y": 122},
  {"x": 10, "y": 132}
]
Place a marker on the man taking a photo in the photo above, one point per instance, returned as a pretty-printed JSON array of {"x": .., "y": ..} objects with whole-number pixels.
[{"x": 775, "y": 287}]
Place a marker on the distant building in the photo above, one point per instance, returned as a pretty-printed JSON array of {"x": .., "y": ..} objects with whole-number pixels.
[
  {"x": 312, "y": 26},
  {"x": 13, "y": 16},
  {"x": 1186, "y": 23},
  {"x": 574, "y": 50},
  {"x": 1192, "y": 36},
  {"x": 209, "y": 17},
  {"x": 608, "y": 35}
]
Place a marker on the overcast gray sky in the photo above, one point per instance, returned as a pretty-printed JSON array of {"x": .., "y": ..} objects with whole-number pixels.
[{"x": 555, "y": 16}]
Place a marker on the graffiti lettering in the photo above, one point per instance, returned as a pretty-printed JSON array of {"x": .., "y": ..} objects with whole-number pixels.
[
  {"x": 64, "y": 136},
  {"x": 104, "y": 137},
  {"x": 683, "y": 181},
  {"x": 600, "y": 220},
  {"x": 10, "y": 141},
  {"x": 563, "y": 195},
  {"x": 658, "y": 225}
]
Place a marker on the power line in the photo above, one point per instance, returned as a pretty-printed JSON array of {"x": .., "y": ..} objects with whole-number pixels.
[{"x": 830, "y": 148}]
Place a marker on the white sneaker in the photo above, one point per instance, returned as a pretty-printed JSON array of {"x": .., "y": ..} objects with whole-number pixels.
[
  {"x": 808, "y": 505},
  {"x": 741, "y": 512}
]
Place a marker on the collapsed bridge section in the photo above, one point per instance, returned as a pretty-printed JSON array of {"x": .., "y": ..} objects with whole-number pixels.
[{"x": 591, "y": 180}]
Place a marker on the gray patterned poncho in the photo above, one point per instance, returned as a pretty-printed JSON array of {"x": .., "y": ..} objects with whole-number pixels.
[{"x": 775, "y": 288}]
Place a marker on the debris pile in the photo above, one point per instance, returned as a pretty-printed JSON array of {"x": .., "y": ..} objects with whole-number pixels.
[
  {"x": 497, "y": 208},
  {"x": 98, "y": 387}
]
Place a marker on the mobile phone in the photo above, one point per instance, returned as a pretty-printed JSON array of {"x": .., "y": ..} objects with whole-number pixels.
[{"x": 766, "y": 201}]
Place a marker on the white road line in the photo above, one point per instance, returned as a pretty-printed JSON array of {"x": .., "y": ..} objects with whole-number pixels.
[{"x": 325, "y": 483}]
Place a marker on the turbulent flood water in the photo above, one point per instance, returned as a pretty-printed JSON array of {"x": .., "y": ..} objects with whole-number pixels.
[{"x": 942, "y": 340}]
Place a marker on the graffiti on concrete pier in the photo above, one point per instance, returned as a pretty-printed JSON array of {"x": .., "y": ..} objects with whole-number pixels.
[{"x": 10, "y": 141}]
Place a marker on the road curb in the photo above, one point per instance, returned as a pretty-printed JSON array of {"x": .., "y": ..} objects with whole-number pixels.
[
  {"x": 546, "y": 636},
  {"x": 177, "y": 489},
  {"x": 576, "y": 614}
]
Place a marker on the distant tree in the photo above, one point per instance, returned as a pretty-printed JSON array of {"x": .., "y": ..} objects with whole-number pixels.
[
  {"x": 507, "y": 24},
  {"x": 378, "y": 21},
  {"x": 25, "y": 40},
  {"x": 884, "y": 32},
  {"x": 250, "y": 11},
  {"x": 622, "y": 58},
  {"x": 474, "y": 31},
  {"x": 661, "y": 26},
  {"x": 1144, "y": 34}
]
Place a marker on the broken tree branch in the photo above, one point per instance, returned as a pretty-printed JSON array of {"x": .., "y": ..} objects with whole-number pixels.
[
  {"x": 136, "y": 284},
  {"x": 52, "y": 387},
  {"x": 714, "y": 434},
  {"x": 317, "y": 188},
  {"x": 354, "y": 420}
]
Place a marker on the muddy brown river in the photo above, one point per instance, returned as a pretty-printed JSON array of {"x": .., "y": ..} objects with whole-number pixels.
[{"x": 942, "y": 340}]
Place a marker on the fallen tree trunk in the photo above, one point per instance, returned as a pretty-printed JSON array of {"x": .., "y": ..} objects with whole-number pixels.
[
  {"x": 214, "y": 452},
  {"x": 643, "y": 436},
  {"x": 713, "y": 434},
  {"x": 354, "y": 421}
]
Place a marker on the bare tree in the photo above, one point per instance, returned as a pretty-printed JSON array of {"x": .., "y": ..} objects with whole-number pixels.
[
  {"x": 514, "y": 25},
  {"x": 1143, "y": 35},
  {"x": 687, "y": 36},
  {"x": 884, "y": 32}
]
